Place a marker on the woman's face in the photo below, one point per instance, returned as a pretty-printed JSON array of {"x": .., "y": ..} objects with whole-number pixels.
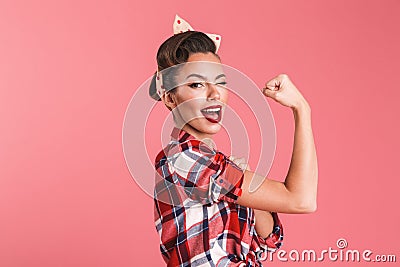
[{"x": 199, "y": 102}]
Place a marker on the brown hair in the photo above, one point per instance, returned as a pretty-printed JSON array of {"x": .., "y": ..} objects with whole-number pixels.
[{"x": 176, "y": 50}]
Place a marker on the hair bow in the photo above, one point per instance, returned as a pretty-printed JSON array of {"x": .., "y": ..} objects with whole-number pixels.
[{"x": 179, "y": 26}]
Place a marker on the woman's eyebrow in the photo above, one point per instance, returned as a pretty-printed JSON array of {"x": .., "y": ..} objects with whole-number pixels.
[{"x": 204, "y": 78}]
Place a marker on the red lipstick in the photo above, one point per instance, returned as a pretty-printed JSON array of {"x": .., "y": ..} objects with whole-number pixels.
[{"x": 212, "y": 113}]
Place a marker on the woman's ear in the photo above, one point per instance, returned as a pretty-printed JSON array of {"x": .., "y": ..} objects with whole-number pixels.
[{"x": 169, "y": 100}]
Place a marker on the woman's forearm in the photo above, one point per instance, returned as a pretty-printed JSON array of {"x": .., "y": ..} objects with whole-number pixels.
[{"x": 302, "y": 177}]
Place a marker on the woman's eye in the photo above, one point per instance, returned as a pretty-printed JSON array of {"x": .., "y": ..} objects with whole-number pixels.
[
  {"x": 202, "y": 84},
  {"x": 196, "y": 85}
]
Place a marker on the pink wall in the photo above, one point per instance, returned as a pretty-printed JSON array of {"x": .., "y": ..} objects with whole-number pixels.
[{"x": 68, "y": 70}]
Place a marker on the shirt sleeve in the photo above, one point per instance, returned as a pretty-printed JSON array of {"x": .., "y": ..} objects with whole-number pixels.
[
  {"x": 206, "y": 175},
  {"x": 274, "y": 240}
]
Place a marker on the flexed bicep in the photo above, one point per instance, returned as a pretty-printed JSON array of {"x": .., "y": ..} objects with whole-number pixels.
[{"x": 271, "y": 196}]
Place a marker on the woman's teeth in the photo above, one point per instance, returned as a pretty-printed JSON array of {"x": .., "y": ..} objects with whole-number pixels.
[
  {"x": 212, "y": 114},
  {"x": 210, "y": 110}
]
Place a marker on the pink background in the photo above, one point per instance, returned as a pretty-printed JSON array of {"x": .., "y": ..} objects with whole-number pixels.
[{"x": 68, "y": 70}]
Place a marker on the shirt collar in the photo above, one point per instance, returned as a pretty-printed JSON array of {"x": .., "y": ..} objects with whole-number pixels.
[{"x": 181, "y": 136}]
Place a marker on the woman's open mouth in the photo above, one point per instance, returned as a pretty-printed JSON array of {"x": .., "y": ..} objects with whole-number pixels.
[{"x": 212, "y": 113}]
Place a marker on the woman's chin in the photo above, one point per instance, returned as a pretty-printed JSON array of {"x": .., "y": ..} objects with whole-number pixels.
[{"x": 208, "y": 127}]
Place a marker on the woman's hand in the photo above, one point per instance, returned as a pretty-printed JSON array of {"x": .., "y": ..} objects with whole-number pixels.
[{"x": 282, "y": 90}]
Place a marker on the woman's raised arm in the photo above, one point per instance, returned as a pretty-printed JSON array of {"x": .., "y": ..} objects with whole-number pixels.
[{"x": 298, "y": 193}]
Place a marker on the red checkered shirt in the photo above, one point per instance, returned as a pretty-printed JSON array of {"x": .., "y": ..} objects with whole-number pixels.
[{"x": 195, "y": 211}]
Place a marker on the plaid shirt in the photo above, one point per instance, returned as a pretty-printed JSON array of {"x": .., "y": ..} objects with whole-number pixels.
[{"x": 195, "y": 211}]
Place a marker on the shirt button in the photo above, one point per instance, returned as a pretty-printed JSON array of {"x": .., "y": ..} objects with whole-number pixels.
[{"x": 221, "y": 181}]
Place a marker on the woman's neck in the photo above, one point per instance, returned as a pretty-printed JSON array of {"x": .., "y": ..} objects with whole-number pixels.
[{"x": 204, "y": 137}]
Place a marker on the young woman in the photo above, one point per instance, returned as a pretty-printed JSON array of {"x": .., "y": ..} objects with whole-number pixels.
[{"x": 204, "y": 212}]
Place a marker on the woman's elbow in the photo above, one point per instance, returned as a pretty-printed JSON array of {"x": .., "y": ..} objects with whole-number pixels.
[
  {"x": 305, "y": 206},
  {"x": 310, "y": 208}
]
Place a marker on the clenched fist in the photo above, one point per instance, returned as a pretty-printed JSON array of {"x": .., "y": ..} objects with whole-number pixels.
[{"x": 282, "y": 90}]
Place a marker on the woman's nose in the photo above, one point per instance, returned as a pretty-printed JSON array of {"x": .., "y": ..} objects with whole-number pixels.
[{"x": 213, "y": 93}]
